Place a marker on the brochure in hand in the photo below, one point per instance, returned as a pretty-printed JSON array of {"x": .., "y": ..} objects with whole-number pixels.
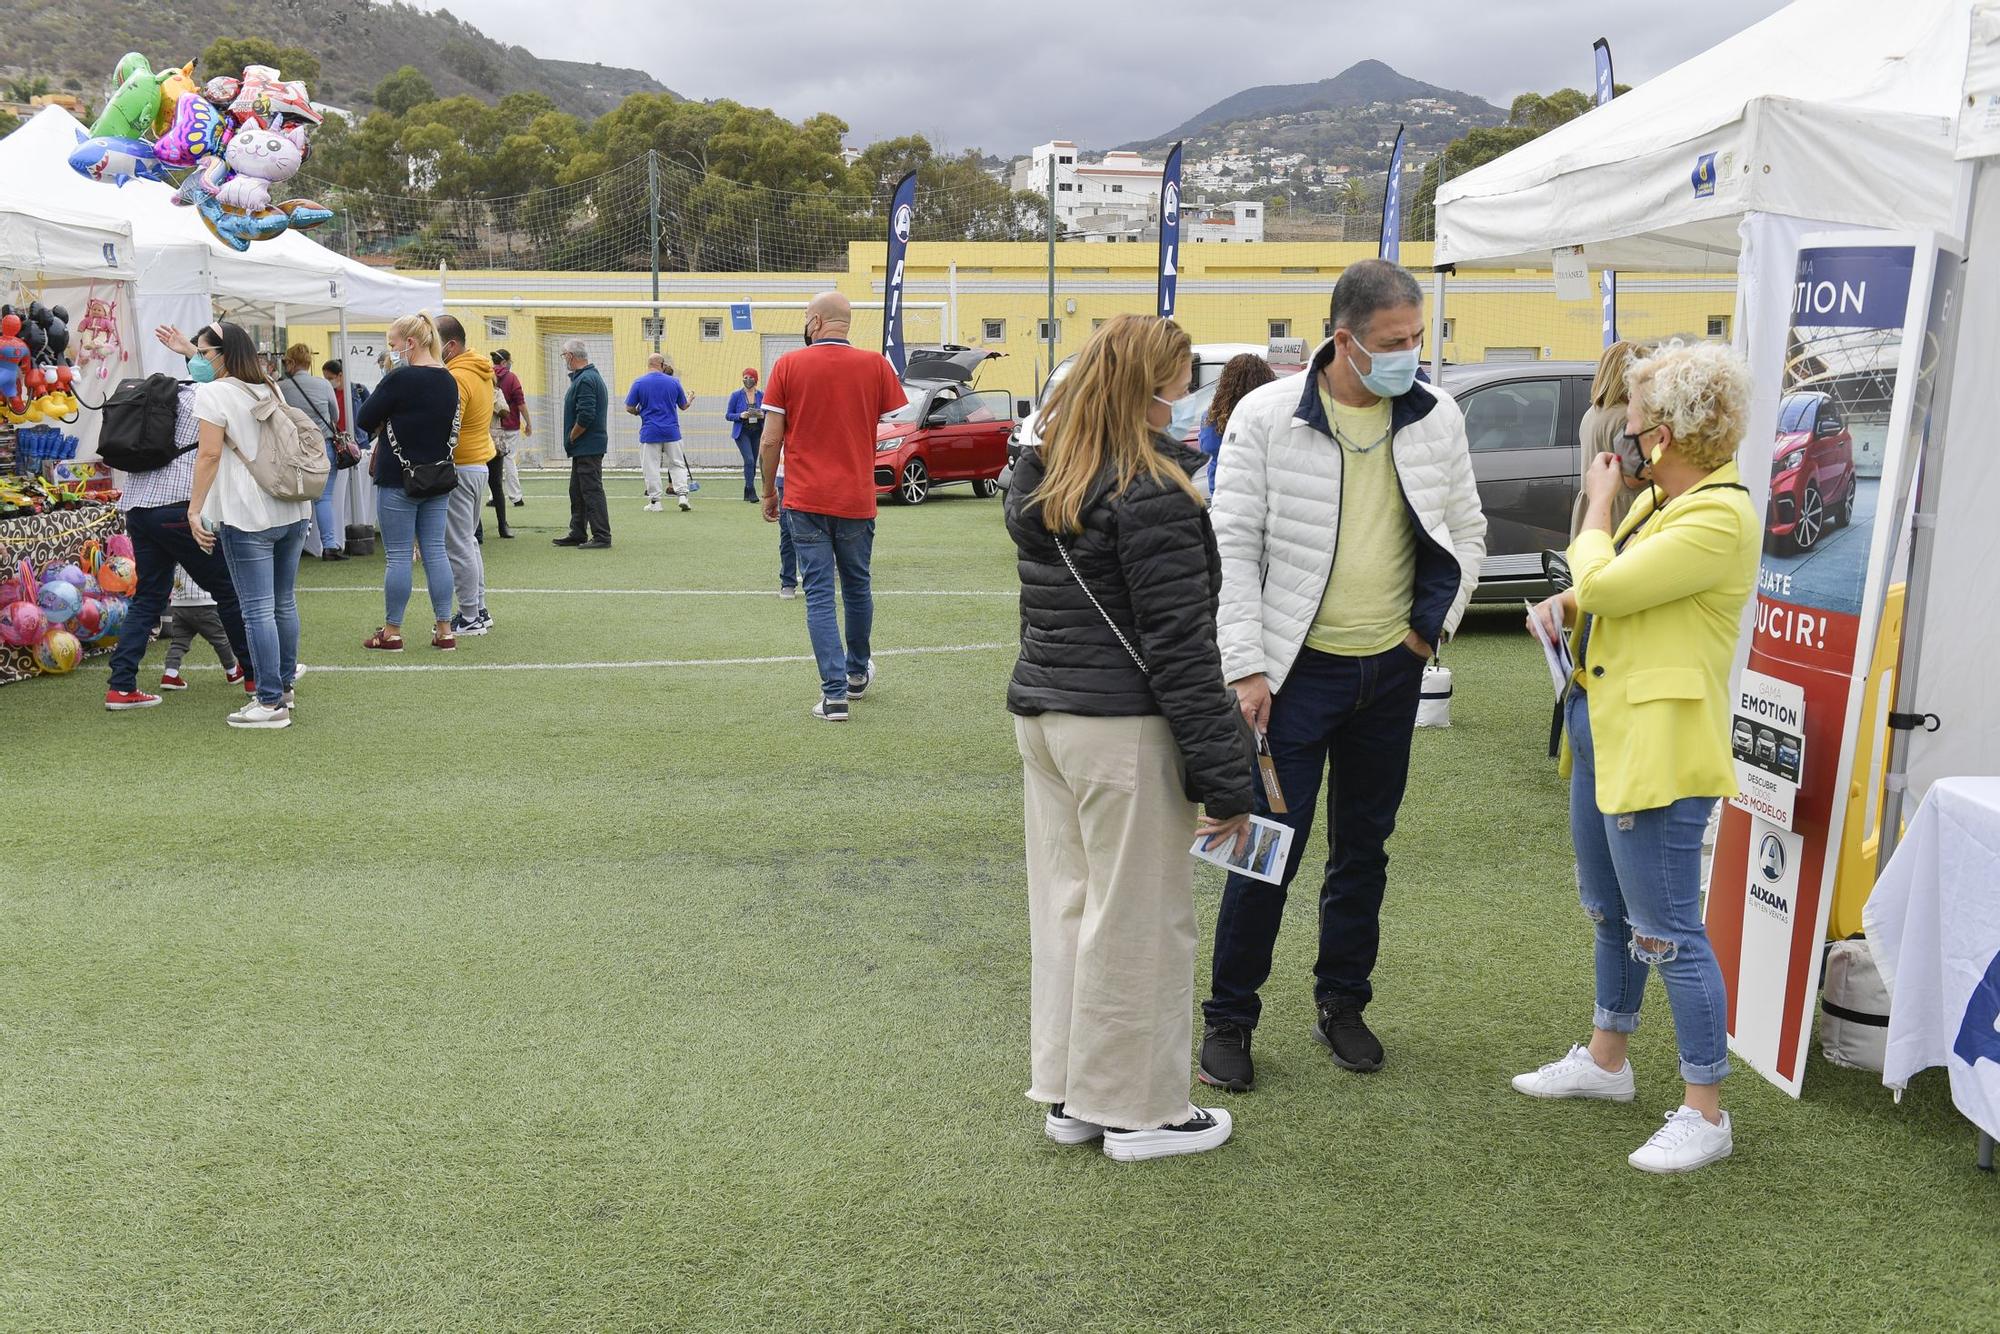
[{"x": 1261, "y": 855}]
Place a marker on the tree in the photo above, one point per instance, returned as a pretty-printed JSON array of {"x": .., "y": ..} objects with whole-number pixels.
[
  {"x": 472, "y": 61},
  {"x": 27, "y": 90},
  {"x": 227, "y": 56},
  {"x": 407, "y": 88},
  {"x": 9, "y": 123}
]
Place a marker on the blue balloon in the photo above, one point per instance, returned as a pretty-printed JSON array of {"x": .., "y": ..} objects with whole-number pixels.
[{"x": 118, "y": 160}]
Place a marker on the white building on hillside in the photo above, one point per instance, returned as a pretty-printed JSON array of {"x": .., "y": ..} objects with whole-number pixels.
[
  {"x": 1121, "y": 185},
  {"x": 1240, "y": 221}
]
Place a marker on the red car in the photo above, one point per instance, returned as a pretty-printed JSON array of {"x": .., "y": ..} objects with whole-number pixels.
[
  {"x": 947, "y": 433},
  {"x": 1812, "y": 472}
]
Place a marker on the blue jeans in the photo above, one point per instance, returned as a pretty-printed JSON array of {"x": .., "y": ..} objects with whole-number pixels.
[
  {"x": 747, "y": 446},
  {"x": 825, "y": 545},
  {"x": 788, "y": 552},
  {"x": 405, "y": 523},
  {"x": 1356, "y": 715},
  {"x": 330, "y": 539},
  {"x": 1638, "y": 875},
  {"x": 264, "y": 567},
  {"x": 161, "y": 540}
]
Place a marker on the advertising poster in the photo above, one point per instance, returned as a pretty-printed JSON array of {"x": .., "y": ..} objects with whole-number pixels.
[{"x": 1849, "y": 433}]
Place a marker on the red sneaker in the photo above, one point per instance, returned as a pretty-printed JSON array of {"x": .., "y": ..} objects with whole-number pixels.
[
  {"x": 173, "y": 681},
  {"x": 120, "y": 700},
  {"x": 234, "y": 674},
  {"x": 249, "y": 686}
]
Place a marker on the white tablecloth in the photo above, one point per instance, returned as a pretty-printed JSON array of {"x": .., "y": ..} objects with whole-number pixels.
[{"x": 1934, "y": 921}]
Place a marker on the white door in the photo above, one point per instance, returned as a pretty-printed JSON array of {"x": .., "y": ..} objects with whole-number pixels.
[{"x": 773, "y": 346}]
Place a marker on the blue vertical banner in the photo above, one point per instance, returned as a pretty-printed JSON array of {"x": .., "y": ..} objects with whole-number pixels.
[
  {"x": 1392, "y": 205},
  {"x": 1170, "y": 233},
  {"x": 1606, "y": 90},
  {"x": 902, "y": 217}
]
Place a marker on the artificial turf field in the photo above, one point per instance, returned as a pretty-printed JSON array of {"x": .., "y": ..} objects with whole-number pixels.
[{"x": 504, "y": 993}]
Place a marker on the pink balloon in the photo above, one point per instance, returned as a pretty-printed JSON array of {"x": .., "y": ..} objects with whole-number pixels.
[
  {"x": 197, "y": 131},
  {"x": 22, "y": 624}
]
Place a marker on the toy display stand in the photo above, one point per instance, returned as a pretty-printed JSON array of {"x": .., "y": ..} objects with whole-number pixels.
[{"x": 54, "y": 537}]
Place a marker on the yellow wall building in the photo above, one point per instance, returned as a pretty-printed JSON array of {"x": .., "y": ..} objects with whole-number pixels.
[{"x": 996, "y": 295}]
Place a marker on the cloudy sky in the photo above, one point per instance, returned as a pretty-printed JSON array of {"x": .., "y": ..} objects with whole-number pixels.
[{"x": 1004, "y": 77}]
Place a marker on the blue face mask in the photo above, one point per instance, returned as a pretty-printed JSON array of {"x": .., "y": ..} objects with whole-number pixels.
[
  {"x": 1389, "y": 374},
  {"x": 200, "y": 369}
]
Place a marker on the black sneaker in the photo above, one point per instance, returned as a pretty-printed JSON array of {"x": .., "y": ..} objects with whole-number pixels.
[
  {"x": 570, "y": 541},
  {"x": 594, "y": 544},
  {"x": 1225, "y": 1058},
  {"x": 831, "y": 711},
  {"x": 1205, "y": 1128},
  {"x": 1344, "y": 1034}
]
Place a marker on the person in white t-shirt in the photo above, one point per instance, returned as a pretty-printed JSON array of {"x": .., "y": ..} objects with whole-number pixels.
[{"x": 261, "y": 537}]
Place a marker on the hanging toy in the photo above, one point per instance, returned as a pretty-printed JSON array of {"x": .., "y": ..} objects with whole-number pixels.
[
  {"x": 15, "y": 361},
  {"x": 97, "y": 341}
]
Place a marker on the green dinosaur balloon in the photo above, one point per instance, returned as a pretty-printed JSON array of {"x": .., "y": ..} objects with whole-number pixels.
[{"x": 129, "y": 114}]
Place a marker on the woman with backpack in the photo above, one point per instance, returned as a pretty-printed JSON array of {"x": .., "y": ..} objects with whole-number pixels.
[
  {"x": 260, "y": 535},
  {"x": 414, "y": 416},
  {"x": 1124, "y": 724}
]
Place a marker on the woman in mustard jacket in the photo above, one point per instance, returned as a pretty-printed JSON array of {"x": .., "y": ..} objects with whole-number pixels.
[{"x": 1654, "y": 615}]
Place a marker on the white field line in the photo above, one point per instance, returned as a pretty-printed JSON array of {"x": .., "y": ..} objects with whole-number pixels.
[
  {"x": 685, "y": 592},
  {"x": 645, "y": 663}
]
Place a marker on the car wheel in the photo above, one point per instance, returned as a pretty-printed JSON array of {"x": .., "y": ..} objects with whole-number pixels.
[
  {"x": 985, "y": 488},
  {"x": 915, "y": 483},
  {"x": 1845, "y": 514},
  {"x": 1811, "y": 521}
]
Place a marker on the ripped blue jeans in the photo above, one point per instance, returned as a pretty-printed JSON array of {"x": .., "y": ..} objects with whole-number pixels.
[{"x": 1639, "y": 878}]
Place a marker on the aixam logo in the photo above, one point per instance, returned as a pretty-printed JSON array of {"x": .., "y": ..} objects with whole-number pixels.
[
  {"x": 1171, "y": 209},
  {"x": 903, "y": 223},
  {"x": 1772, "y": 855},
  {"x": 1771, "y": 870}
]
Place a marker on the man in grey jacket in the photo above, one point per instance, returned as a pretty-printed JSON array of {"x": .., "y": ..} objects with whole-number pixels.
[{"x": 1351, "y": 538}]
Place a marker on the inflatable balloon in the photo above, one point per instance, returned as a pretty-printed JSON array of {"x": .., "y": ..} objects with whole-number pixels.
[
  {"x": 119, "y": 544},
  {"x": 130, "y": 112},
  {"x": 60, "y": 601},
  {"x": 195, "y": 130},
  {"x": 89, "y": 622},
  {"x": 22, "y": 624},
  {"x": 265, "y": 99},
  {"x": 174, "y": 85},
  {"x": 114, "y": 616},
  {"x": 118, "y": 576},
  {"x": 68, "y": 574},
  {"x": 58, "y": 652},
  {"x": 118, "y": 160}
]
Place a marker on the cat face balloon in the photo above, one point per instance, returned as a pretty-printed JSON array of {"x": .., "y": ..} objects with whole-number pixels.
[{"x": 271, "y": 156}]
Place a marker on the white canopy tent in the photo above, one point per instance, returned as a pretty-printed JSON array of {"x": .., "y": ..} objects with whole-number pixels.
[{"x": 183, "y": 270}]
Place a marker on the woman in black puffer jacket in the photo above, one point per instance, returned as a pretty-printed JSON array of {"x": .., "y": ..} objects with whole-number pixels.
[{"x": 1124, "y": 725}]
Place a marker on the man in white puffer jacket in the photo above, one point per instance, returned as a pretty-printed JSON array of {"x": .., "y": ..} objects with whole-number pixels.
[{"x": 1351, "y": 539}]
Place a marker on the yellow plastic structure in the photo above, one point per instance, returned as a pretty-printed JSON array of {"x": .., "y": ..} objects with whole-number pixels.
[{"x": 1861, "y": 840}]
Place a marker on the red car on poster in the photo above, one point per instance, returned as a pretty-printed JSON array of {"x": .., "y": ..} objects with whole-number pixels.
[
  {"x": 948, "y": 433},
  {"x": 1812, "y": 473}
]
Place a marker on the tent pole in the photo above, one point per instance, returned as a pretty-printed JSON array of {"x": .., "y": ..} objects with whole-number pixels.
[
  {"x": 1437, "y": 323},
  {"x": 1929, "y": 479}
]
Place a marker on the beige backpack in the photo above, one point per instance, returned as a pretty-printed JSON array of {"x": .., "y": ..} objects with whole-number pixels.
[{"x": 291, "y": 462}]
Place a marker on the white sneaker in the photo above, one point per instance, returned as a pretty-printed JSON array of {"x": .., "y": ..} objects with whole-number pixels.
[
  {"x": 857, "y": 686},
  {"x": 1687, "y": 1141},
  {"x": 686, "y": 504},
  {"x": 1205, "y": 1128},
  {"x": 1069, "y": 1129},
  {"x": 1577, "y": 1075},
  {"x": 254, "y": 714},
  {"x": 654, "y": 507}
]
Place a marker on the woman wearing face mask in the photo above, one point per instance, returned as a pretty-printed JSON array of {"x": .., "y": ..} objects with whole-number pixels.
[
  {"x": 413, "y": 415},
  {"x": 260, "y": 536},
  {"x": 1602, "y": 431},
  {"x": 1123, "y": 725},
  {"x": 1647, "y": 723}
]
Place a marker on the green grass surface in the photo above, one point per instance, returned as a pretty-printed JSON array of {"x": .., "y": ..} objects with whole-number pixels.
[{"x": 634, "y": 999}]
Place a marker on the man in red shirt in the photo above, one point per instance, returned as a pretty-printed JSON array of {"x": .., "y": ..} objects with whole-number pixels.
[{"x": 821, "y": 408}]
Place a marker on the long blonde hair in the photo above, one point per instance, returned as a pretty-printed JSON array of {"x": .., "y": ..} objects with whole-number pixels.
[
  {"x": 419, "y": 329},
  {"x": 1607, "y": 387},
  {"x": 1097, "y": 415}
]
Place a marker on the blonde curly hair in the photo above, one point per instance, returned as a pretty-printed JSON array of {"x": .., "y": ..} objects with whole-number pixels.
[{"x": 1699, "y": 390}]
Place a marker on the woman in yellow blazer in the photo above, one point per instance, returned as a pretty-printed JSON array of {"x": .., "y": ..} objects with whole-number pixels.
[{"x": 1655, "y": 610}]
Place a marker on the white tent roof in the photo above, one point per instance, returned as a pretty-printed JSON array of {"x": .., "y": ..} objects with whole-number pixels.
[
  {"x": 178, "y": 254},
  {"x": 58, "y": 243},
  {"x": 1835, "y": 110}
]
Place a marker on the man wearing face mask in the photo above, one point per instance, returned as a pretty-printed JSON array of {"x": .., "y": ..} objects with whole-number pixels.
[{"x": 1351, "y": 539}]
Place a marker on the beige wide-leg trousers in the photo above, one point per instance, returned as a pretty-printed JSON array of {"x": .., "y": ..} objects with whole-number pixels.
[{"x": 1110, "y": 917}]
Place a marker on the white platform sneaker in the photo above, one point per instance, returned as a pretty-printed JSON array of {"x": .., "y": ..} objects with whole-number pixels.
[
  {"x": 1577, "y": 1075},
  {"x": 1687, "y": 1141},
  {"x": 1066, "y": 1129}
]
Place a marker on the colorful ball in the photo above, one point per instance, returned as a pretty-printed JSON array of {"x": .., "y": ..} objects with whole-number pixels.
[
  {"x": 114, "y": 616},
  {"x": 60, "y": 600},
  {"x": 22, "y": 624},
  {"x": 67, "y": 574},
  {"x": 58, "y": 652},
  {"x": 118, "y": 575},
  {"x": 89, "y": 622},
  {"x": 119, "y": 544}
]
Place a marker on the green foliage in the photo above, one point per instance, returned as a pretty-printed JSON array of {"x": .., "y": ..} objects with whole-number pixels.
[
  {"x": 28, "y": 89},
  {"x": 473, "y": 61},
  {"x": 228, "y": 56},
  {"x": 1530, "y": 116},
  {"x": 9, "y": 123},
  {"x": 405, "y": 89}
]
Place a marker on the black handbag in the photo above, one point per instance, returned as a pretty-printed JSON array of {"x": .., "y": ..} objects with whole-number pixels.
[{"x": 422, "y": 481}]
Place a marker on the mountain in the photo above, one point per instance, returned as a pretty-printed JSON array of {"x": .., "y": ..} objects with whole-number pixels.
[
  {"x": 1358, "y": 88},
  {"x": 77, "y": 43}
]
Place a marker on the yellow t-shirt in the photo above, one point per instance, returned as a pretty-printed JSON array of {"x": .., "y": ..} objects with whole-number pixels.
[{"x": 1366, "y": 606}]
